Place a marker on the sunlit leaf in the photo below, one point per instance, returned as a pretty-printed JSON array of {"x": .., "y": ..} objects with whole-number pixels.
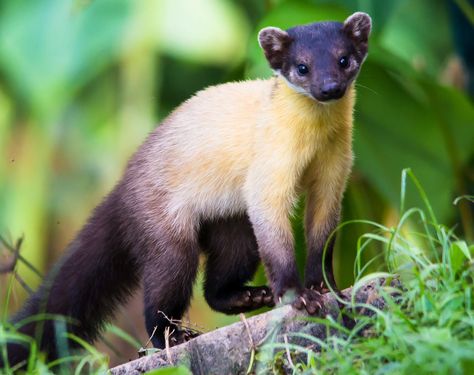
[
  {"x": 409, "y": 33},
  {"x": 181, "y": 370},
  {"x": 216, "y": 32},
  {"x": 51, "y": 48}
]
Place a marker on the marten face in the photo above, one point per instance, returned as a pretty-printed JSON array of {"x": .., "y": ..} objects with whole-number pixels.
[{"x": 319, "y": 60}]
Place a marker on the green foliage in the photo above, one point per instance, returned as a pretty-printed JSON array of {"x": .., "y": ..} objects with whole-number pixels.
[
  {"x": 428, "y": 324},
  {"x": 88, "y": 361},
  {"x": 60, "y": 39},
  {"x": 82, "y": 82},
  {"x": 170, "y": 371}
]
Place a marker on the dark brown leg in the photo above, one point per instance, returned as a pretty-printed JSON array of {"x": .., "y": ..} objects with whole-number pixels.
[
  {"x": 169, "y": 274},
  {"x": 314, "y": 277},
  {"x": 232, "y": 259}
]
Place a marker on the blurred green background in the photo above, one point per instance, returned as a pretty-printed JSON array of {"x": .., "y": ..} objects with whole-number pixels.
[{"x": 83, "y": 82}]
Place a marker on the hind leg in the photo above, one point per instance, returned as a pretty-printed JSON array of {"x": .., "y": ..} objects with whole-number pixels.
[
  {"x": 168, "y": 277},
  {"x": 232, "y": 259}
]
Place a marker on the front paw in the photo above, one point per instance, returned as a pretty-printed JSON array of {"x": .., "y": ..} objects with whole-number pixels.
[
  {"x": 254, "y": 297},
  {"x": 319, "y": 286},
  {"x": 310, "y": 300}
]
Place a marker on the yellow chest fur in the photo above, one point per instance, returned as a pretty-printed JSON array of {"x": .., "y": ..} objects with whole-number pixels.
[
  {"x": 257, "y": 136},
  {"x": 297, "y": 132}
]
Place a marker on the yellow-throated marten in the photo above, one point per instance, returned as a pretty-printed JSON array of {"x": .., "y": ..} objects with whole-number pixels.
[{"x": 220, "y": 175}]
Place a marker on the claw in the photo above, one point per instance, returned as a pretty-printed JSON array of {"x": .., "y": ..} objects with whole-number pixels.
[{"x": 248, "y": 296}]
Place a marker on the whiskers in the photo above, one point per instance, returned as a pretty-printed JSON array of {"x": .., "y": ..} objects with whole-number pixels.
[{"x": 366, "y": 87}]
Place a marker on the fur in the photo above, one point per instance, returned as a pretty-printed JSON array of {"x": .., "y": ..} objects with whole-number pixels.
[{"x": 221, "y": 175}]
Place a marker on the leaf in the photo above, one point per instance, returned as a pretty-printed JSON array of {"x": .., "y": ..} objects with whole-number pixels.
[
  {"x": 123, "y": 335},
  {"x": 459, "y": 253},
  {"x": 379, "y": 11},
  {"x": 409, "y": 34},
  {"x": 215, "y": 33},
  {"x": 181, "y": 370},
  {"x": 399, "y": 124},
  {"x": 51, "y": 48},
  {"x": 455, "y": 115}
]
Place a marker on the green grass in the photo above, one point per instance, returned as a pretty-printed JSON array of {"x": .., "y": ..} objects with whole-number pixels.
[
  {"x": 86, "y": 361},
  {"x": 427, "y": 329}
]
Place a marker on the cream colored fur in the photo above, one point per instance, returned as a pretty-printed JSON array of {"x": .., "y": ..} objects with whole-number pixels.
[{"x": 251, "y": 146}]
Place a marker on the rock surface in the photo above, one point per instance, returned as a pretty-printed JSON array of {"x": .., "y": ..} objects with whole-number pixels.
[{"x": 228, "y": 350}]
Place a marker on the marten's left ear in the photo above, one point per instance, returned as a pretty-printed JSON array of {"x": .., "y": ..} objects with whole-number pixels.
[
  {"x": 357, "y": 27},
  {"x": 275, "y": 43}
]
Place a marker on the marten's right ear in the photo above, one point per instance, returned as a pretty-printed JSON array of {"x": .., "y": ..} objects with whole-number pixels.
[
  {"x": 357, "y": 27},
  {"x": 275, "y": 43}
]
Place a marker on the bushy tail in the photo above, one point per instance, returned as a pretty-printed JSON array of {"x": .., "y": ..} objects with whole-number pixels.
[{"x": 97, "y": 273}]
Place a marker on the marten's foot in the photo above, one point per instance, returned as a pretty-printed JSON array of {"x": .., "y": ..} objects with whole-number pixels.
[
  {"x": 320, "y": 287},
  {"x": 310, "y": 300},
  {"x": 250, "y": 298},
  {"x": 247, "y": 298},
  {"x": 255, "y": 297}
]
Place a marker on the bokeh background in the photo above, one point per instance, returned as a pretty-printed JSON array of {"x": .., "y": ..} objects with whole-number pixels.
[{"x": 83, "y": 82}]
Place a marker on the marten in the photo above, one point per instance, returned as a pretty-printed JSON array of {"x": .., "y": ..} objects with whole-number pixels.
[{"x": 219, "y": 176}]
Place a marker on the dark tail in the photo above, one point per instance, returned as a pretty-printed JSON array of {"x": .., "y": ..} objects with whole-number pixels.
[{"x": 97, "y": 273}]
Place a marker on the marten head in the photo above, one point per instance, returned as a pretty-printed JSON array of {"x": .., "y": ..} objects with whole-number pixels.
[{"x": 321, "y": 59}]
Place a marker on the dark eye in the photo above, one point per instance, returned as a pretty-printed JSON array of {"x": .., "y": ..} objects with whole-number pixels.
[
  {"x": 302, "y": 69},
  {"x": 344, "y": 62}
]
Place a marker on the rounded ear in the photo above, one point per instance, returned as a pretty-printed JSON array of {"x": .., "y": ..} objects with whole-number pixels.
[
  {"x": 357, "y": 27},
  {"x": 275, "y": 43}
]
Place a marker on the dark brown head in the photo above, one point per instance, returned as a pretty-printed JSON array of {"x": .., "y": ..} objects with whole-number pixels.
[{"x": 321, "y": 59}]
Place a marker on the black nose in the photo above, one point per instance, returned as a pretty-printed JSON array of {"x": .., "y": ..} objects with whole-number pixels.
[{"x": 331, "y": 90}]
